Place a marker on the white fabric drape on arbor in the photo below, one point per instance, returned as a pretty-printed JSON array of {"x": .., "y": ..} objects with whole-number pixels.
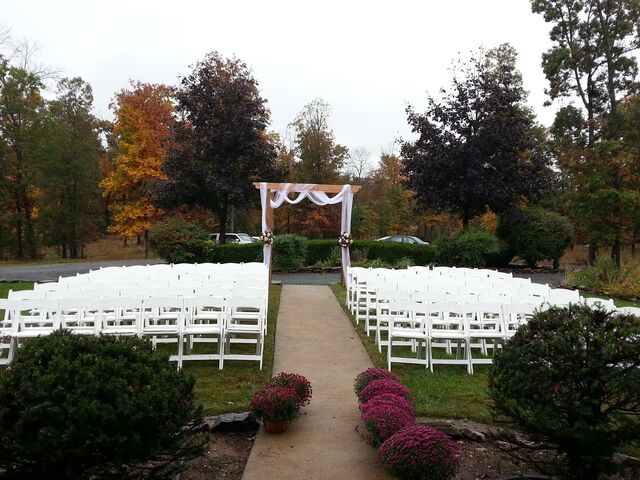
[{"x": 319, "y": 198}]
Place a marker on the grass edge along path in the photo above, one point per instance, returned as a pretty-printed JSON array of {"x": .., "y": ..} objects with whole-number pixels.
[
  {"x": 449, "y": 392},
  {"x": 227, "y": 390}
]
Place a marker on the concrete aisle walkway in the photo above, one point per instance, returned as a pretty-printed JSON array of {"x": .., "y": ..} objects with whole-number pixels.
[{"x": 315, "y": 338}]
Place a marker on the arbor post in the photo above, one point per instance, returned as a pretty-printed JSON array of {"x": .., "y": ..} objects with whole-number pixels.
[{"x": 270, "y": 225}]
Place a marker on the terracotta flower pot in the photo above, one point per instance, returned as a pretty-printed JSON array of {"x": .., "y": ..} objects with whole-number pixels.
[{"x": 275, "y": 426}]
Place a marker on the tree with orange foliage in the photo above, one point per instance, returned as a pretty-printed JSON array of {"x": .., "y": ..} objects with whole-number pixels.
[{"x": 142, "y": 136}]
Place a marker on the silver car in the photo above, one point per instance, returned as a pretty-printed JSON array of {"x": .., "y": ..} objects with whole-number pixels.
[{"x": 231, "y": 237}]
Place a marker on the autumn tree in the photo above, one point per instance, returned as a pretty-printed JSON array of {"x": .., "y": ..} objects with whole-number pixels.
[
  {"x": 142, "y": 136},
  {"x": 593, "y": 59},
  {"x": 21, "y": 113},
  {"x": 70, "y": 153},
  {"x": 222, "y": 144},
  {"x": 321, "y": 158},
  {"x": 477, "y": 147},
  {"x": 390, "y": 203}
]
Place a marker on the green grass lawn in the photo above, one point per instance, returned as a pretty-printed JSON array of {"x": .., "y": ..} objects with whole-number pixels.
[
  {"x": 448, "y": 392},
  {"x": 227, "y": 390},
  {"x": 5, "y": 287}
]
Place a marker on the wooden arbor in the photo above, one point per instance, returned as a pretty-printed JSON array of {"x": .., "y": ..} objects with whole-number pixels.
[{"x": 272, "y": 195}]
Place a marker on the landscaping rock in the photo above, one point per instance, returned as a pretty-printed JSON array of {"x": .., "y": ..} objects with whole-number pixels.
[
  {"x": 459, "y": 428},
  {"x": 231, "y": 422}
]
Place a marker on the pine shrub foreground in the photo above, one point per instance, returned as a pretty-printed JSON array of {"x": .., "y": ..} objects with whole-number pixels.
[
  {"x": 85, "y": 407},
  {"x": 570, "y": 379}
]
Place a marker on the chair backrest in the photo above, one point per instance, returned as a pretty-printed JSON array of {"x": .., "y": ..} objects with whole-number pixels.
[
  {"x": 608, "y": 305},
  {"x": 517, "y": 314},
  {"x": 25, "y": 294},
  {"x": 630, "y": 311}
]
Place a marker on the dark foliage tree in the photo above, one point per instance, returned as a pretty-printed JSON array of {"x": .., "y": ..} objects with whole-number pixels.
[
  {"x": 478, "y": 147},
  {"x": 593, "y": 58},
  {"x": 21, "y": 106},
  {"x": 222, "y": 145},
  {"x": 70, "y": 154}
]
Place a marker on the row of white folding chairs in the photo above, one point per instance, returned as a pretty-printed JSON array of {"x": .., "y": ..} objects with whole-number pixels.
[
  {"x": 160, "y": 317},
  {"x": 358, "y": 277},
  {"x": 452, "y": 326},
  {"x": 468, "y": 326},
  {"x": 136, "y": 290},
  {"x": 376, "y": 322},
  {"x": 169, "y": 277},
  {"x": 378, "y": 290},
  {"x": 185, "y": 268},
  {"x": 224, "y": 291},
  {"x": 160, "y": 282}
]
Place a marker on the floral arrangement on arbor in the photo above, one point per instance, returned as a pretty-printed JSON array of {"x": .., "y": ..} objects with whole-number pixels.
[
  {"x": 364, "y": 378},
  {"x": 420, "y": 452},
  {"x": 275, "y": 403},
  {"x": 296, "y": 382},
  {"x": 383, "y": 385},
  {"x": 345, "y": 239},
  {"x": 383, "y": 419},
  {"x": 267, "y": 237}
]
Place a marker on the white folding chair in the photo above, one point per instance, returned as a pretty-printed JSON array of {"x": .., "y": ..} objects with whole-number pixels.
[
  {"x": 121, "y": 316},
  {"x": 446, "y": 324},
  {"x": 245, "y": 317},
  {"x": 592, "y": 302},
  {"x": 515, "y": 315},
  {"x": 204, "y": 317},
  {"x": 24, "y": 319},
  {"x": 407, "y": 323},
  {"x": 485, "y": 325},
  {"x": 80, "y": 315}
]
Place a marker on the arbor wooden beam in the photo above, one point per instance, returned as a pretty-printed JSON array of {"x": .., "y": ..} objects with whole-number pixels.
[{"x": 298, "y": 187}]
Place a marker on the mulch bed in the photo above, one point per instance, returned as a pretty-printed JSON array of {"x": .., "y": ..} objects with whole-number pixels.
[
  {"x": 225, "y": 457},
  {"x": 228, "y": 453}
]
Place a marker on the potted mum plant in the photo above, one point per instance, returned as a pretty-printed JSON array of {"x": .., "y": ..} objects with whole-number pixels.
[
  {"x": 276, "y": 407},
  {"x": 280, "y": 401}
]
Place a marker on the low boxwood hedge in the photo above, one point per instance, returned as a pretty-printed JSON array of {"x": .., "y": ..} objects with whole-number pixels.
[{"x": 235, "y": 253}]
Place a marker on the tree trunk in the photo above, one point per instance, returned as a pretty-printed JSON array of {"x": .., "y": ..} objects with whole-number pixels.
[
  {"x": 616, "y": 252},
  {"x": 138, "y": 239},
  {"x": 125, "y": 242},
  {"x": 20, "y": 247},
  {"x": 633, "y": 245},
  {"x": 63, "y": 251},
  {"x": 146, "y": 243},
  {"x": 592, "y": 254}
]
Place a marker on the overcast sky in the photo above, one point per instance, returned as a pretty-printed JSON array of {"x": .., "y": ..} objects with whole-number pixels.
[{"x": 368, "y": 59}]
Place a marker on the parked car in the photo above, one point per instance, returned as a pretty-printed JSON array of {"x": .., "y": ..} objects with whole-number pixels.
[
  {"x": 231, "y": 237},
  {"x": 403, "y": 239}
]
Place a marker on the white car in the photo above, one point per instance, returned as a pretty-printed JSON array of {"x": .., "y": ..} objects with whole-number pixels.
[
  {"x": 231, "y": 237},
  {"x": 403, "y": 239}
]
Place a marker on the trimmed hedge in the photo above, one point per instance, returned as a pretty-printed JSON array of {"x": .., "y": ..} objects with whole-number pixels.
[
  {"x": 177, "y": 241},
  {"x": 235, "y": 253},
  {"x": 319, "y": 250}
]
